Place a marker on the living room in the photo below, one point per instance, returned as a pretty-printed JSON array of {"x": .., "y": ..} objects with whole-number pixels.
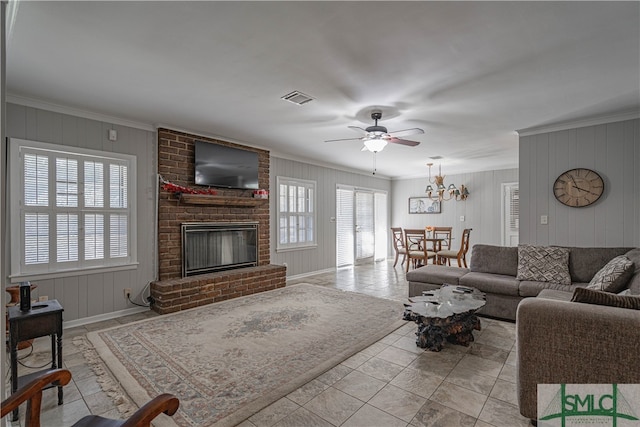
[{"x": 600, "y": 135}]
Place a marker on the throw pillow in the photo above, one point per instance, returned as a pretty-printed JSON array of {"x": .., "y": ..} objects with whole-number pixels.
[
  {"x": 634, "y": 282},
  {"x": 591, "y": 296},
  {"x": 544, "y": 264},
  {"x": 614, "y": 276}
]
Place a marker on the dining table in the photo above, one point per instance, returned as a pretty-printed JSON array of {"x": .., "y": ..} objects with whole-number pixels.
[{"x": 436, "y": 243}]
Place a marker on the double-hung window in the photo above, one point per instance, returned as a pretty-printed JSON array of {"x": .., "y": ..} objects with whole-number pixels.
[
  {"x": 72, "y": 209},
  {"x": 296, "y": 213}
]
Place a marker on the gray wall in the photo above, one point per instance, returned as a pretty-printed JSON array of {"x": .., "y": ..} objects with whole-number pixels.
[
  {"x": 323, "y": 256},
  {"x": 481, "y": 210},
  {"x": 3, "y": 62},
  {"x": 612, "y": 150},
  {"x": 97, "y": 294}
]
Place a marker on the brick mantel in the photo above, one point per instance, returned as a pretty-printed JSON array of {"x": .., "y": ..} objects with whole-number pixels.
[{"x": 176, "y": 164}]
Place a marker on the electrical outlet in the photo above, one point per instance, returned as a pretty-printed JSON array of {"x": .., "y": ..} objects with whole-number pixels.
[{"x": 127, "y": 293}]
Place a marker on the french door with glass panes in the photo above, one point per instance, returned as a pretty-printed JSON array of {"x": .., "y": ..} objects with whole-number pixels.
[
  {"x": 361, "y": 224},
  {"x": 510, "y": 214}
]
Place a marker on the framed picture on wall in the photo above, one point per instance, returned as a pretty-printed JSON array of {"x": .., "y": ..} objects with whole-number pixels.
[{"x": 424, "y": 205}]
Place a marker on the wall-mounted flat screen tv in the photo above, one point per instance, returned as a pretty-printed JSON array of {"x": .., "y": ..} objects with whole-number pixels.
[{"x": 228, "y": 167}]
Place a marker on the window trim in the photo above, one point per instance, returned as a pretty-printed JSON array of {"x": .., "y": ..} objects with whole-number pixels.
[
  {"x": 308, "y": 184},
  {"x": 18, "y": 272}
]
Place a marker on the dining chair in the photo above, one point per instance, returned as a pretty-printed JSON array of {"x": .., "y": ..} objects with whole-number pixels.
[
  {"x": 460, "y": 255},
  {"x": 444, "y": 233},
  {"x": 398, "y": 245},
  {"x": 416, "y": 246}
]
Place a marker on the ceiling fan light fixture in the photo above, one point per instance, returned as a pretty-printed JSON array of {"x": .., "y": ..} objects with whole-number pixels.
[{"x": 375, "y": 145}]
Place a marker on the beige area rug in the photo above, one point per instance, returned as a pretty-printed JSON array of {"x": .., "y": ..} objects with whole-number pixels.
[{"x": 228, "y": 360}]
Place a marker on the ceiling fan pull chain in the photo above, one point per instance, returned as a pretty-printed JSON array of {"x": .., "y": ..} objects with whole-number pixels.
[{"x": 374, "y": 162}]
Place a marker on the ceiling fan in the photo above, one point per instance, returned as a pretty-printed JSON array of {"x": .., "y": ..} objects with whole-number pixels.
[{"x": 376, "y": 137}]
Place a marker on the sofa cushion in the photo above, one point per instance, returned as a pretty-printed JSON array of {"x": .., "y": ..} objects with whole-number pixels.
[
  {"x": 614, "y": 276},
  {"x": 544, "y": 264},
  {"x": 555, "y": 295},
  {"x": 491, "y": 283},
  {"x": 592, "y": 296},
  {"x": 494, "y": 259},
  {"x": 584, "y": 263},
  {"x": 530, "y": 288},
  {"x": 437, "y": 274},
  {"x": 634, "y": 282}
]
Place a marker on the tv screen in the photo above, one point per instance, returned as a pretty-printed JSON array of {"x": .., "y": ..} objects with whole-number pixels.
[{"x": 222, "y": 166}]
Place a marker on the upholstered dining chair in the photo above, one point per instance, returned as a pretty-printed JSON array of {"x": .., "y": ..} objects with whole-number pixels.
[
  {"x": 32, "y": 394},
  {"x": 417, "y": 247},
  {"x": 460, "y": 255},
  {"x": 443, "y": 233},
  {"x": 398, "y": 245}
]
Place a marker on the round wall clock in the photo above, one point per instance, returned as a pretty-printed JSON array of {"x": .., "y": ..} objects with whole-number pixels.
[{"x": 578, "y": 187}]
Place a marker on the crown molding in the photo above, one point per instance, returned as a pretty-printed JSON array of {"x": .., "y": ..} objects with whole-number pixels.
[
  {"x": 590, "y": 121},
  {"x": 57, "y": 108}
]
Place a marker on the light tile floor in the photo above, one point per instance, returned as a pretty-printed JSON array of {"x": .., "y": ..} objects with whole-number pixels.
[{"x": 391, "y": 383}]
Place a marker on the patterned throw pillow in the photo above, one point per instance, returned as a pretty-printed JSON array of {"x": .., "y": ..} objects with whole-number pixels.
[
  {"x": 544, "y": 264},
  {"x": 591, "y": 296},
  {"x": 614, "y": 276},
  {"x": 634, "y": 282}
]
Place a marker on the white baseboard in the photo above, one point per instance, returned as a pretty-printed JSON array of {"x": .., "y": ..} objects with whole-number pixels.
[
  {"x": 311, "y": 273},
  {"x": 102, "y": 317}
]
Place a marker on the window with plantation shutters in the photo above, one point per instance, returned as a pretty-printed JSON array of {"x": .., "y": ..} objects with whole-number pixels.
[
  {"x": 73, "y": 209},
  {"x": 296, "y": 213}
]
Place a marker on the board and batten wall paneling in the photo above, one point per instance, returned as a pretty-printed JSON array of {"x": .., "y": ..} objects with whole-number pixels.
[
  {"x": 98, "y": 294},
  {"x": 612, "y": 150},
  {"x": 481, "y": 211},
  {"x": 323, "y": 256}
]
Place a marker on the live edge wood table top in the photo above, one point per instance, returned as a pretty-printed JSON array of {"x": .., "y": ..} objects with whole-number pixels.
[{"x": 445, "y": 314}]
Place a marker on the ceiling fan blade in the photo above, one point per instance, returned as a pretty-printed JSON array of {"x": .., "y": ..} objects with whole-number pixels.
[
  {"x": 344, "y": 139},
  {"x": 359, "y": 130},
  {"x": 407, "y": 132},
  {"x": 404, "y": 142}
]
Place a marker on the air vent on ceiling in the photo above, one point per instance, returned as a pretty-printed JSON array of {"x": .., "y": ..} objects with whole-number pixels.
[
  {"x": 297, "y": 97},
  {"x": 436, "y": 157}
]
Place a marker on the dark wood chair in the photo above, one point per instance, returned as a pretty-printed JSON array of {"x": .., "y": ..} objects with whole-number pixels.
[
  {"x": 460, "y": 255},
  {"x": 32, "y": 394},
  {"x": 398, "y": 245}
]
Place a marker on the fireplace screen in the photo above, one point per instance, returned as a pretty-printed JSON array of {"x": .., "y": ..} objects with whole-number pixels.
[{"x": 209, "y": 247}]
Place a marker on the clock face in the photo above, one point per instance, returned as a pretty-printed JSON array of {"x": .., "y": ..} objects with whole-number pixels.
[{"x": 578, "y": 187}]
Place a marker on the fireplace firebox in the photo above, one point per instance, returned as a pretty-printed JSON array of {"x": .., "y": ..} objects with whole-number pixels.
[{"x": 209, "y": 247}]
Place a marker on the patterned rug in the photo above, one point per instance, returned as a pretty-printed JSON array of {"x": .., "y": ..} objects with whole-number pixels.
[{"x": 228, "y": 360}]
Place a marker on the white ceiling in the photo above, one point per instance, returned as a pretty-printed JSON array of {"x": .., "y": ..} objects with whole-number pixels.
[{"x": 469, "y": 73}]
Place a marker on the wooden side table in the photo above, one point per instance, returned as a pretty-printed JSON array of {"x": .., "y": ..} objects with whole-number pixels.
[{"x": 44, "y": 318}]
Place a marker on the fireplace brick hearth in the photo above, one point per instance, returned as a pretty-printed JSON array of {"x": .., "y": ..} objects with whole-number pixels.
[
  {"x": 171, "y": 292},
  {"x": 180, "y": 294}
]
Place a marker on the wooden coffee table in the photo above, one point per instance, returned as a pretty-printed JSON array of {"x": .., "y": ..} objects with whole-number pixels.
[{"x": 445, "y": 314}]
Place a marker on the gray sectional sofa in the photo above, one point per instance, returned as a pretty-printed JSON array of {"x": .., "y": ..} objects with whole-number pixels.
[
  {"x": 562, "y": 336},
  {"x": 494, "y": 271}
]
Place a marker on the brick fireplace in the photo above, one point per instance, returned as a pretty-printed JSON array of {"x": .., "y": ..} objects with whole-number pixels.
[{"x": 173, "y": 292}]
